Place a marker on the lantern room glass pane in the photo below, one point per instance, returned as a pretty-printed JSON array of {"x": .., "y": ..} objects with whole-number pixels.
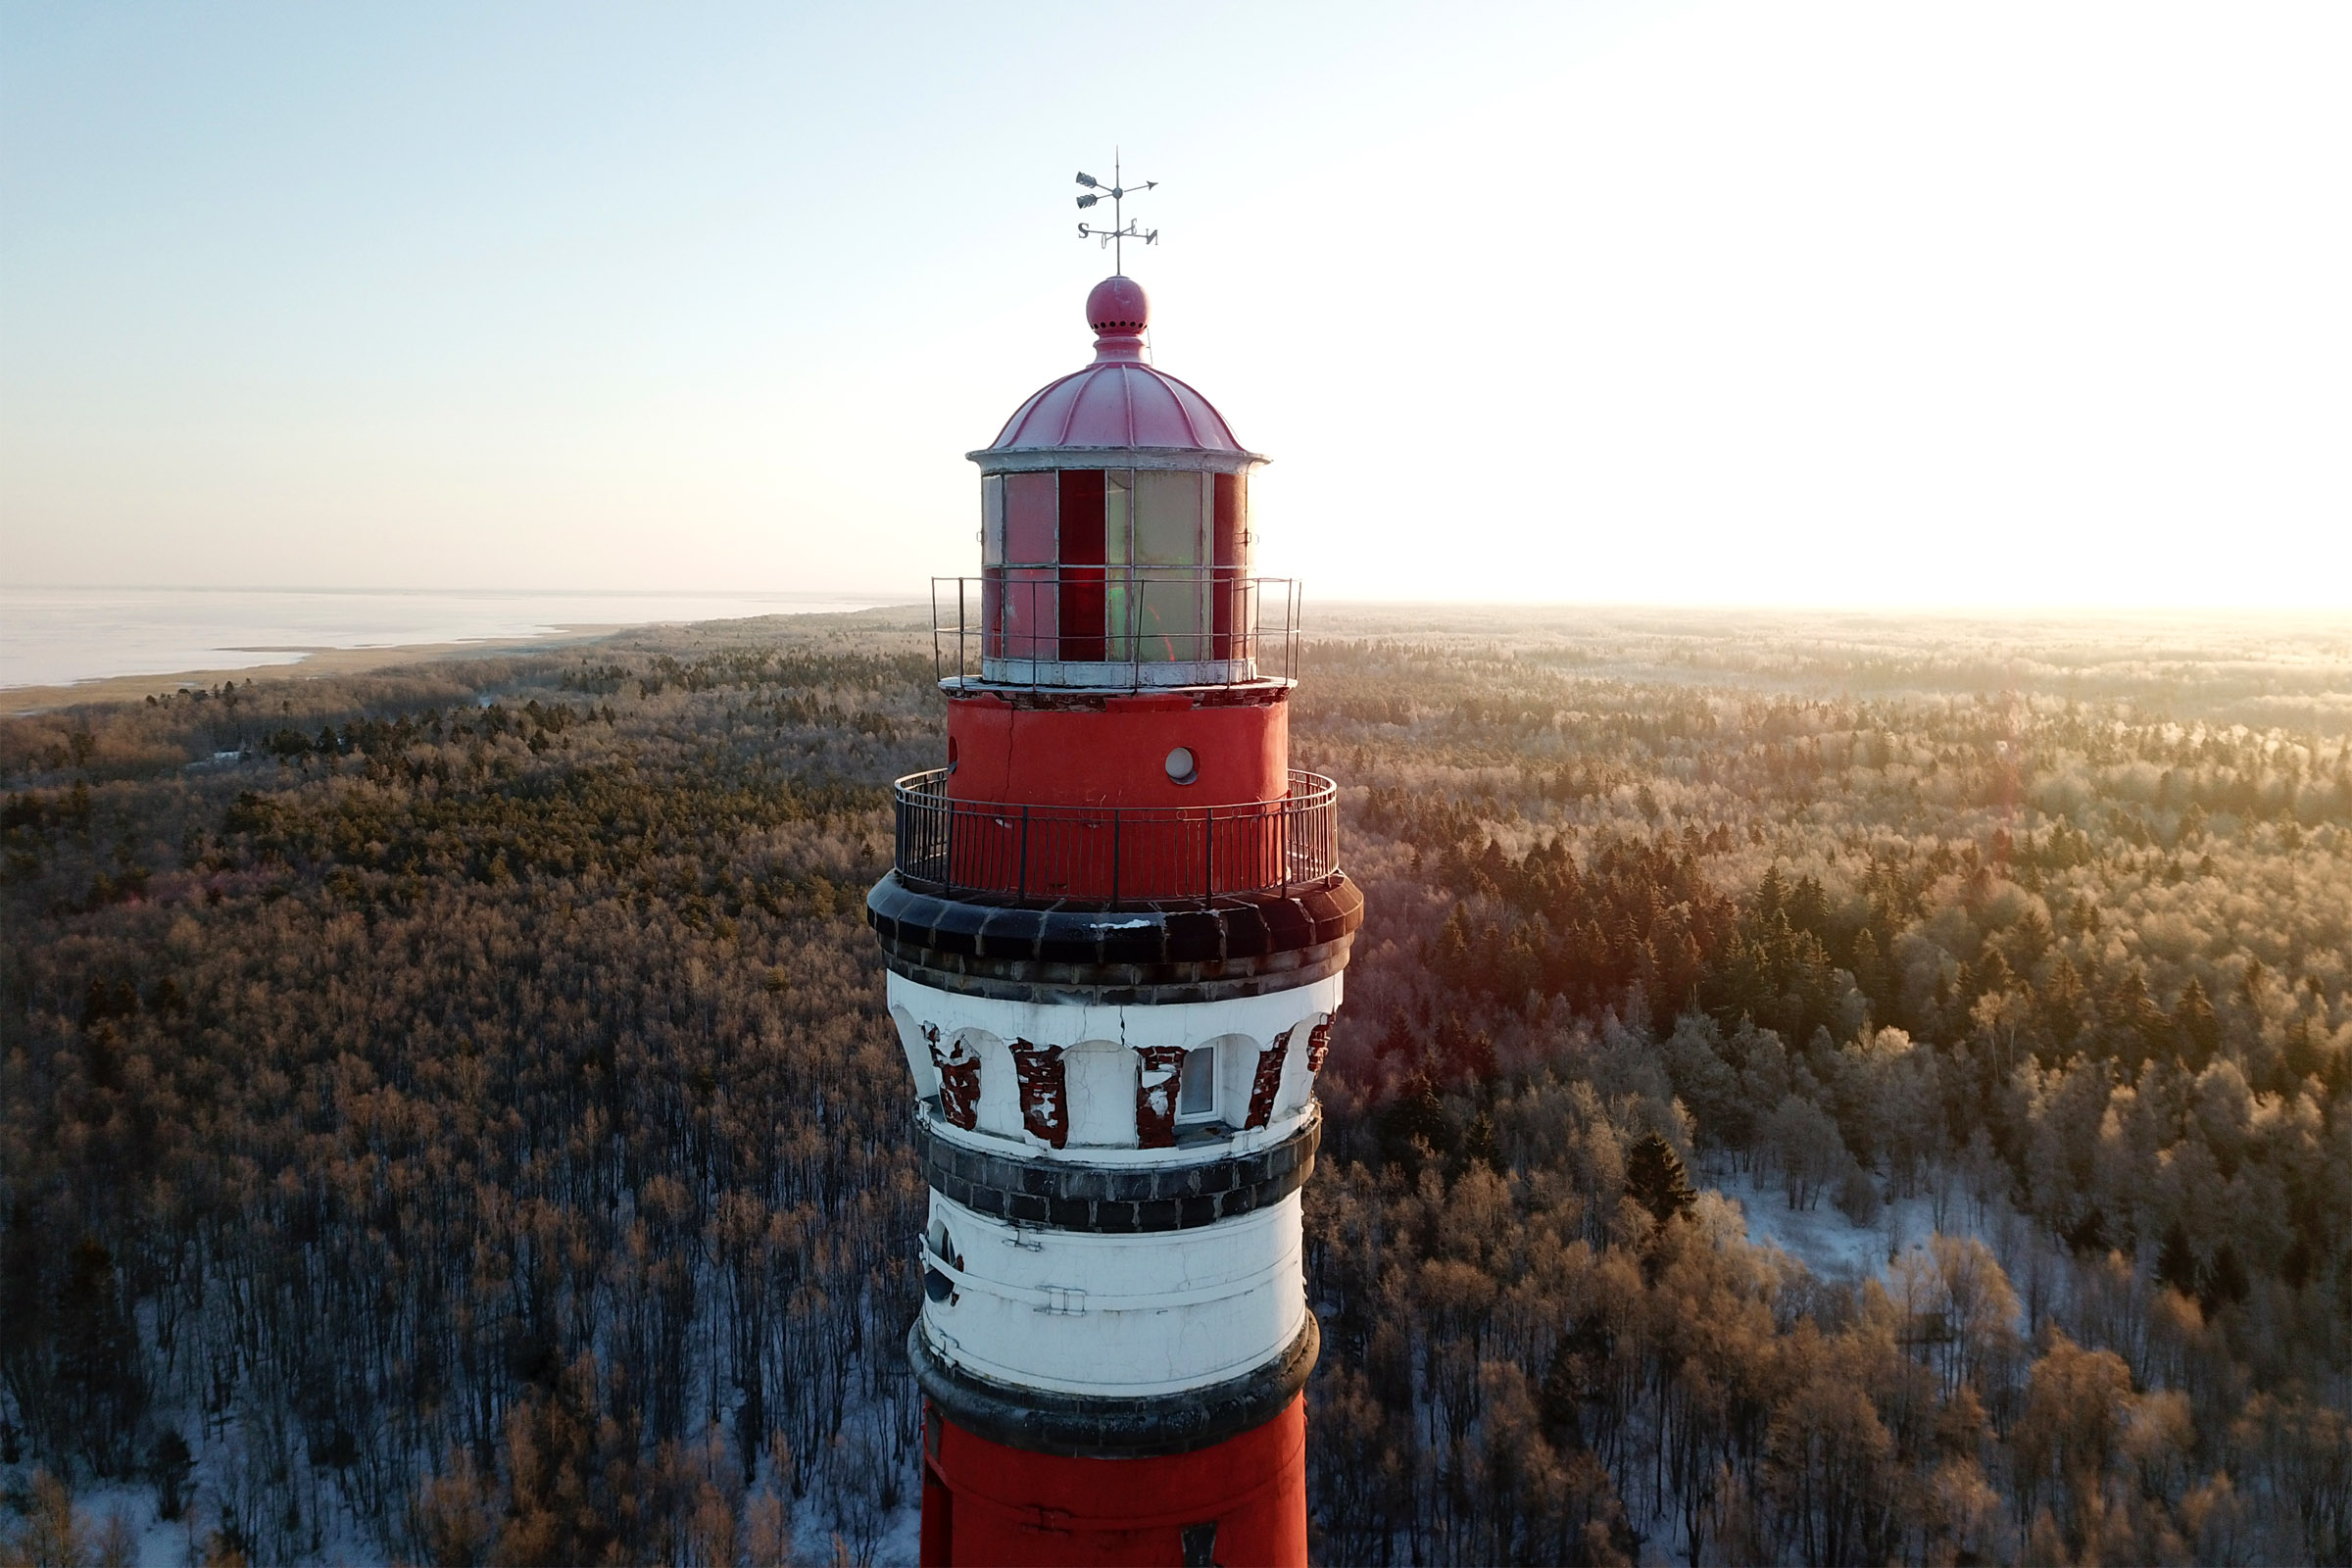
[
  {"x": 1029, "y": 517},
  {"x": 1170, "y": 530},
  {"x": 1231, "y": 524},
  {"x": 1168, "y": 519},
  {"x": 1082, "y": 513},
  {"x": 1229, "y": 530},
  {"x": 992, "y": 520},
  {"x": 1082, "y": 566},
  {"x": 1118, "y": 515},
  {"x": 1168, "y": 618},
  {"x": 1118, "y": 550},
  {"x": 1032, "y": 614}
]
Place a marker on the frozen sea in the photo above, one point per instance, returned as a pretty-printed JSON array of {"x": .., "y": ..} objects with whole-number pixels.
[{"x": 56, "y": 636}]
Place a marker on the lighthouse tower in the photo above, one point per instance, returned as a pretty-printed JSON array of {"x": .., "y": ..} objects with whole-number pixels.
[{"x": 1115, "y": 930}]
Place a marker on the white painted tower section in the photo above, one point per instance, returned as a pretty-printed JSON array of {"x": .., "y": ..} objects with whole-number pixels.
[
  {"x": 1115, "y": 1314},
  {"x": 1078, "y": 1312}
]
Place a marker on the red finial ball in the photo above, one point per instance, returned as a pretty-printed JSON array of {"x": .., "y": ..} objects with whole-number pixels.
[{"x": 1117, "y": 304}]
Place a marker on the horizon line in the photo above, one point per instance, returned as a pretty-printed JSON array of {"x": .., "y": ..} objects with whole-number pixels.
[{"x": 889, "y": 599}]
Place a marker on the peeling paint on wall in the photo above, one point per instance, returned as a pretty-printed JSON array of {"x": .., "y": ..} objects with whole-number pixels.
[
  {"x": 1268, "y": 1082},
  {"x": 1155, "y": 1095},
  {"x": 1318, "y": 1043},
  {"x": 958, "y": 1079},
  {"x": 1045, "y": 1099}
]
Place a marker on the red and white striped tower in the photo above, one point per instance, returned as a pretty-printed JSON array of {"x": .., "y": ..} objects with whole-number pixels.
[{"x": 1115, "y": 932}]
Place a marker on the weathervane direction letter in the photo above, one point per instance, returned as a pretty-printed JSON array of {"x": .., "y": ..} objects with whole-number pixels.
[{"x": 1115, "y": 237}]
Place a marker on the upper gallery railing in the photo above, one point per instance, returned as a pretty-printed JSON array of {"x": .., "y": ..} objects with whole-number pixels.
[
  {"x": 1115, "y": 855},
  {"x": 1122, "y": 627}
]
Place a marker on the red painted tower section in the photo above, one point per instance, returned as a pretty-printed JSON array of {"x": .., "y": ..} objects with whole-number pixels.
[
  {"x": 1117, "y": 930},
  {"x": 983, "y": 1502}
]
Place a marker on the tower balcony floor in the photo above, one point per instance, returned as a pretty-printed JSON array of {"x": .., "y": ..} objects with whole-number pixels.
[{"x": 1173, "y": 951}]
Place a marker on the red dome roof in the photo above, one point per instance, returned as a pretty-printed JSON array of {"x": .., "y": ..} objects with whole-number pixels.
[{"x": 1118, "y": 401}]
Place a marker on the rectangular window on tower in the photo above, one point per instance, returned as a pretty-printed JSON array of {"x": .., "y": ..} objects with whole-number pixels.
[{"x": 1196, "y": 1085}]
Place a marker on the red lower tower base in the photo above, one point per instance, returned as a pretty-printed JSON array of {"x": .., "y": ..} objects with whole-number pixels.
[{"x": 1242, "y": 1501}]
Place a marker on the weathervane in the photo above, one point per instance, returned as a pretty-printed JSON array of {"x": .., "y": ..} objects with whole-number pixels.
[{"x": 1120, "y": 230}]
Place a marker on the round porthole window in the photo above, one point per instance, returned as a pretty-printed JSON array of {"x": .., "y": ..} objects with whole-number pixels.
[
  {"x": 1181, "y": 767},
  {"x": 936, "y": 1283}
]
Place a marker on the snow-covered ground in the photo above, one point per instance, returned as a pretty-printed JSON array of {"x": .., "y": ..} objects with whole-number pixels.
[
  {"x": 901, "y": 1539},
  {"x": 178, "y": 1543},
  {"x": 160, "y": 1543},
  {"x": 1821, "y": 1238},
  {"x": 901, "y": 1548}
]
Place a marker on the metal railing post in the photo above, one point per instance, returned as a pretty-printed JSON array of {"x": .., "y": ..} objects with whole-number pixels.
[
  {"x": 1292, "y": 631},
  {"x": 1283, "y": 847}
]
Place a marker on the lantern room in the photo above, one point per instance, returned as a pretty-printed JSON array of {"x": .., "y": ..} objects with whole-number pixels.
[{"x": 1115, "y": 531}]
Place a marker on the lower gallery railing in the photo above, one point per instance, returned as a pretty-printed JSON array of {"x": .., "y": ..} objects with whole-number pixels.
[{"x": 1109, "y": 854}]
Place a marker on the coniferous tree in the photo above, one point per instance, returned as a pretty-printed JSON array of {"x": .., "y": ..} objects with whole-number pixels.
[{"x": 1655, "y": 1179}]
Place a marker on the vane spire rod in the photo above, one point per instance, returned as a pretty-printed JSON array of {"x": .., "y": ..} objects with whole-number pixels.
[{"x": 1122, "y": 228}]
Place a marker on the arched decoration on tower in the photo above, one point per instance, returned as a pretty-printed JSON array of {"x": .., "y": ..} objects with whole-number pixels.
[
  {"x": 1266, "y": 1082},
  {"x": 1157, "y": 1086},
  {"x": 1045, "y": 1095},
  {"x": 957, "y": 1065}
]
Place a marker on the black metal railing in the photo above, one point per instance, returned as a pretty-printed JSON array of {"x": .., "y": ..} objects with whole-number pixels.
[
  {"x": 1115, "y": 626},
  {"x": 1115, "y": 855}
]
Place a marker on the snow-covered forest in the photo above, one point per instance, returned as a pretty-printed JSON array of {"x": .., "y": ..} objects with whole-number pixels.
[{"x": 448, "y": 1116}]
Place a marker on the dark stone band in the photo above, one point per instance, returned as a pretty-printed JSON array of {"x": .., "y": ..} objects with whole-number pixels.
[
  {"x": 1121, "y": 1201},
  {"x": 1112, "y": 986},
  {"x": 1257, "y": 692},
  {"x": 1082, "y": 1426},
  {"x": 1180, "y": 952}
]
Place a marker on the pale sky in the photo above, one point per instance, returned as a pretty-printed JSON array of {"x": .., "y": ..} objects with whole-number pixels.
[{"x": 1871, "y": 304}]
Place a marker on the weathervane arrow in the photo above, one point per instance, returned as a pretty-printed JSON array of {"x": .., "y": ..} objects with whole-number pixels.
[{"x": 1121, "y": 229}]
